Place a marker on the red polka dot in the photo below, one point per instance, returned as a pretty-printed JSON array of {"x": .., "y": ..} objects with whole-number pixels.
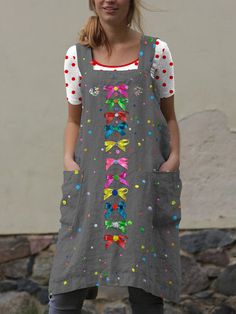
[
  {"x": 73, "y": 64},
  {"x": 79, "y": 84},
  {"x": 73, "y": 78},
  {"x": 171, "y": 63},
  {"x": 66, "y": 71},
  {"x": 171, "y": 91},
  {"x": 66, "y": 57},
  {"x": 157, "y": 56},
  {"x": 164, "y": 84},
  {"x": 67, "y": 85},
  {"x": 164, "y": 56},
  {"x": 171, "y": 77},
  {"x": 164, "y": 70},
  {"x": 157, "y": 77},
  {"x": 157, "y": 42},
  {"x": 73, "y": 57},
  {"x": 73, "y": 92},
  {"x": 80, "y": 98},
  {"x": 136, "y": 62}
]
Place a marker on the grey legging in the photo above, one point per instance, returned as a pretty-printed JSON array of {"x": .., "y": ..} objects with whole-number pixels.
[{"x": 72, "y": 302}]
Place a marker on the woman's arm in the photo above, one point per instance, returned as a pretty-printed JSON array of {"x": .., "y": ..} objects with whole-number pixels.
[
  {"x": 165, "y": 82},
  {"x": 74, "y": 100},
  {"x": 167, "y": 108}
]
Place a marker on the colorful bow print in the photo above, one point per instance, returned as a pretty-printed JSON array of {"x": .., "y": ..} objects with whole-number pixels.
[
  {"x": 121, "y": 224},
  {"x": 111, "y": 177},
  {"x": 121, "y": 144},
  {"x": 119, "y": 239},
  {"x": 121, "y": 101},
  {"x": 122, "y": 115},
  {"x": 118, "y": 128},
  {"x": 122, "y": 161},
  {"x": 121, "y": 192},
  {"x": 119, "y": 207},
  {"x": 115, "y": 89}
]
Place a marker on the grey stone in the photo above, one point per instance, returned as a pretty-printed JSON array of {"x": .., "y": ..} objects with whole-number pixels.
[
  {"x": 231, "y": 302},
  {"x": 42, "y": 268},
  {"x": 7, "y": 285},
  {"x": 15, "y": 269},
  {"x": 172, "y": 309},
  {"x": 205, "y": 294},
  {"x": 226, "y": 282},
  {"x": 192, "y": 308},
  {"x": 42, "y": 295},
  {"x": 205, "y": 239},
  {"x": 17, "y": 303},
  {"x": 194, "y": 279},
  {"x": 88, "y": 311},
  {"x": 216, "y": 256},
  {"x": 223, "y": 309},
  {"x": 183, "y": 297},
  {"x": 12, "y": 248},
  {"x": 212, "y": 271},
  {"x": 89, "y": 307},
  {"x": 232, "y": 251},
  {"x": 39, "y": 242},
  {"x": 112, "y": 293},
  {"x": 115, "y": 308},
  {"x": 28, "y": 285},
  {"x": 218, "y": 298}
]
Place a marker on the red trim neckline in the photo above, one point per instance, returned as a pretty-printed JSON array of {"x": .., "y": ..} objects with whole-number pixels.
[{"x": 113, "y": 66}]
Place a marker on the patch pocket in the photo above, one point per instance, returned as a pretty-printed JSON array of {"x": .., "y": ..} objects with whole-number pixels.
[
  {"x": 167, "y": 195},
  {"x": 71, "y": 191}
]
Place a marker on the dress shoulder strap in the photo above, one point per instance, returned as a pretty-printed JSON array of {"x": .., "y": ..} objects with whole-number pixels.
[
  {"x": 83, "y": 58},
  {"x": 149, "y": 51}
]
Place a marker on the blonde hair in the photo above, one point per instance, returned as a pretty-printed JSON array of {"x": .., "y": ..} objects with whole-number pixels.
[{"x": 93, "y": 34}]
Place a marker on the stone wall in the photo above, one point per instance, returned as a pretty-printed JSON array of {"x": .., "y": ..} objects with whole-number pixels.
[{"x": 208, "y": 260}]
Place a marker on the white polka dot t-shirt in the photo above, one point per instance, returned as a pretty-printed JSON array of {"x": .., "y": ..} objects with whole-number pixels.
[{"x": 162, "y": 71}]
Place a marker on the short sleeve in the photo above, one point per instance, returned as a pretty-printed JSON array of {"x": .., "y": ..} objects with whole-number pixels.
[
  {"x": 164, "y": 70},
  {"x": 72, "y": 77}
]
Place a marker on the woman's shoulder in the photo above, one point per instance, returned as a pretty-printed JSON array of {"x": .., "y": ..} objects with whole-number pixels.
[
  {"x": 160, "y": 44},
  {"x": 162, "y": 55},
  {"x": 70, "y": 51}
]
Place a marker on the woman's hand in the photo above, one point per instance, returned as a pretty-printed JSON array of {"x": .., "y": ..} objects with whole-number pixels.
[
  {"x": 70, "y": 165},
  {"x": 171, "y": 164}
]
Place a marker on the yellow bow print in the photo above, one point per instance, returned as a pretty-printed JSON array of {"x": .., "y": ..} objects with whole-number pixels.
[
  {"x": 121, "y": 192},
  {"x": 121, "y": 144}
]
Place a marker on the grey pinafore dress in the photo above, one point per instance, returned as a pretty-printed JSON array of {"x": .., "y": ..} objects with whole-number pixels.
[{"x": 120, "y": 215}]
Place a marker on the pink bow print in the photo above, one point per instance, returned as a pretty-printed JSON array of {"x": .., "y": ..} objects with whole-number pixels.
[
  {"x": 115, "y": 89},
  {"x": 122, "y": 161},
  {"x": 111, "y": 177}
]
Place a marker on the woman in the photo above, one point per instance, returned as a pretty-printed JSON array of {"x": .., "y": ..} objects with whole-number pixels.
[{"x": 120, "y": 209}]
